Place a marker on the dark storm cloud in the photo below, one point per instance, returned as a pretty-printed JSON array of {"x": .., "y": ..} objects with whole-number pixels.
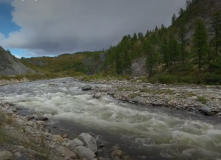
[{"x": 51, "y": 27}]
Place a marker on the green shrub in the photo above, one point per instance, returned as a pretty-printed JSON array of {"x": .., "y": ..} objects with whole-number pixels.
[
  {"x": 5, "y": 77},
  {"x": 3, "y": 119},
  {"x": 202, "y": 99},
  {"x": 166, "y": 78}
]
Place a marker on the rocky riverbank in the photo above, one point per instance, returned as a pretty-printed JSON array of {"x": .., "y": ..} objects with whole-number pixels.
[
  {"x": 27, "y": 138},
  {"x": 12, "y": 81},
  {"x": 193, "y": 98}
]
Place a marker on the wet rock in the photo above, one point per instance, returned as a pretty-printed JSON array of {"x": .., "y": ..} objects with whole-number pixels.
[
  {"x": 84, "y": 152},
  {"x": 65, "y": 136},
  {"x": 101, "y": 158},
  {"x": 41, "y": 118},
  {"x": 41, "y": 123},
  {"x": 47, "y": 134},
  {"x": 97, "y": 95},
  {"x": 57, "y": 138},
  {"x": 99, "y": 142},
  {"x": 206, "y": 110},
  {"x": 9, "y": 112},
  {"x": 117, "y": 158},
  {"x": 30, "y": 123},
  {"x": 52, "y": 146},
  {"x": 135, "y": 100},
  {"x": 76, "y": 142},
  {"x": 86, "y": 88},
  {"x": 111, "y": 93},
  {"x": 5, "y": 155},
  {"x": 64, "y": 151},
  {"x": 118, "y": 153},
  {"x": 18, "y": 154},
  {"x": 14, "y": 109},
  {"x": 89, "y": 141},
  {"x": 66, "y": 144},
  {"x": 30, "y": 118}
]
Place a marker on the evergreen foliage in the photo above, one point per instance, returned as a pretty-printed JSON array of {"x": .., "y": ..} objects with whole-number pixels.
[
  {"x": 200, "y": 42},
  {"x": 184, "y": 52}
]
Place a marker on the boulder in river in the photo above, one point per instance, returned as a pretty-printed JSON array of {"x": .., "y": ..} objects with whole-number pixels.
[
  {"x": 206, "y": 110},
  {"x": 97, "y": 95},
  {"x": 111, "y": 92},
  {"x": 86, "y": 88},
  {"x": 41, "y": 118},
  {"x": 135, "y": 100},
  {"x": 88, "y": 141}
]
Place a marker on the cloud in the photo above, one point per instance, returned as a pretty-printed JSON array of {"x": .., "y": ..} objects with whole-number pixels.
[
  {"x": 17, "y": 56},
  {"x": 53, "y": 27}
]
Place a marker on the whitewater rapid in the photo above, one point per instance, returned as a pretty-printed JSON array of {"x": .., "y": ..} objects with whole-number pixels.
[{"x": 170, "y": 136}]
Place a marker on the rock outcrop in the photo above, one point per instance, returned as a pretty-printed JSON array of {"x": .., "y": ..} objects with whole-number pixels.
[{"x": 10, "y": 65}]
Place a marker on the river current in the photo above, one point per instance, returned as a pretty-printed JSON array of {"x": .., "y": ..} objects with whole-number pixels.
[{"x": 144, "y": 132}]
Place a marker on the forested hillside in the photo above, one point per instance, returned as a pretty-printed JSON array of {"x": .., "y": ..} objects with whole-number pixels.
[
  {"x": 82, "y": 62},
  {"x": 188, "y": 51}
]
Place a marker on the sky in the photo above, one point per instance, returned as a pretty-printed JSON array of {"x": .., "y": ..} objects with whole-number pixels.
[{"x": 31, "y": 28}]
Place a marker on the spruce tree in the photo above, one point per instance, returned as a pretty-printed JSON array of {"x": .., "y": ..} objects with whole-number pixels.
[
  {"x": 173, "y": 19},
  {"x": 215, "y": 30},
  {"x": 134, "y": 37},
  {"x": 151, "y": 57},
  {"x": 140, "y": 36},
  {"x": 181, "y": 11},
  {"x": 164, "y": 51},
  {"x": 200, "y": 39},
  {"x": 182, "y": 33}
]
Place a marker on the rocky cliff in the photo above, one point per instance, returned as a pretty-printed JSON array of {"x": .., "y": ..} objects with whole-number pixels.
[{"x": 10, "y": 65}]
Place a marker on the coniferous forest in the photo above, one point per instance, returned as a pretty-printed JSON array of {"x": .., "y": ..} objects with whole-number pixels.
[{"x": 188, "y": 51}]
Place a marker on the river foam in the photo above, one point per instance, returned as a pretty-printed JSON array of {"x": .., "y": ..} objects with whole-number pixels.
[{"x": 172, "y": 136}]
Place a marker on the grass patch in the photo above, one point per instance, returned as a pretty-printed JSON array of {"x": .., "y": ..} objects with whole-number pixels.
[{"x": 202, "y": 99}]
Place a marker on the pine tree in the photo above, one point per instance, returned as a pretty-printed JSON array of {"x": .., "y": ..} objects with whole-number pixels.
[
  {"x": 200, "y": 39},
  {"x": 140, "y": 36},
  {"x": 188, "y": 3},
  {"x": 119, "y": 63},
  {"x": 127, "y": 62},
  {"x": 164, "y": 51},
  {"x": 181, "y": 11},
  {"x": 182, "y": 33},
  {"x": 151, "y": 57},
  {"x": 134, "y": 37},
  {"x": 215, "y": 30},
  {"x": 173, "y": 19},
  {"x": 147, "y": 33},
  {"x": 173, "y": 50}
]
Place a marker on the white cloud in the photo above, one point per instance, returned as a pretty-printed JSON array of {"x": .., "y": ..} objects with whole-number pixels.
[
  {"x": 55, "y": 26},
  {"x": 17, "y": 56}
]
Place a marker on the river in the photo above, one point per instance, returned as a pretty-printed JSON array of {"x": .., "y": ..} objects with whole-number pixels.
[{"x": 142, "y": 132}]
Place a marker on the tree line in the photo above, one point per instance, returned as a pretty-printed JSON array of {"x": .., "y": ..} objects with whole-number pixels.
[{"x": 170, "y": 49}]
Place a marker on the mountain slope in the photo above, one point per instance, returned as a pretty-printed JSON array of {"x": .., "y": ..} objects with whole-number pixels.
[
  {"x": 10, "y": 65},
  {"x": 163, "y": 54}
]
